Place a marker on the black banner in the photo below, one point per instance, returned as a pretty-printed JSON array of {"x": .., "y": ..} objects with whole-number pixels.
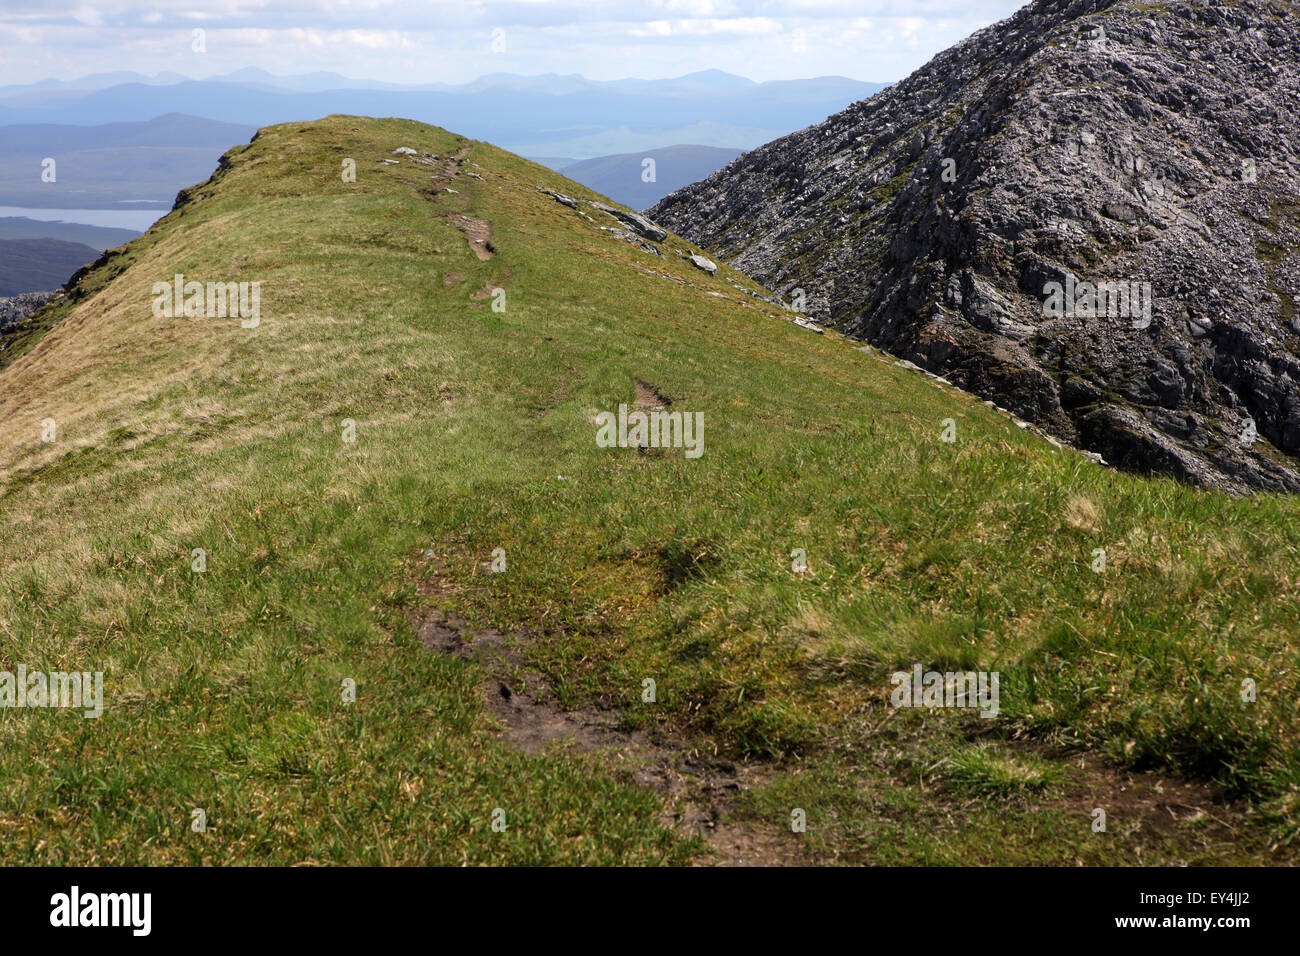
[{"x": 347, "y": 906}]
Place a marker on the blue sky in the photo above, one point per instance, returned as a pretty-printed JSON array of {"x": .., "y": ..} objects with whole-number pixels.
[{"x": 424, "y": 42}]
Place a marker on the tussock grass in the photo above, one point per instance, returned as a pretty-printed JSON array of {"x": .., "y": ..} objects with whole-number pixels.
[{"x": 986, "y": 771}]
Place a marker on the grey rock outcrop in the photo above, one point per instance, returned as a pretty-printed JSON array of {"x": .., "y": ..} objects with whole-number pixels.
[
  {"x": 562, "y": 199},
  {"x": 636, "y": 222},
  {"x": 1149, "y": 152},
  {"x": 13, "y": 309},
  {"x": 632, "y": 238}
]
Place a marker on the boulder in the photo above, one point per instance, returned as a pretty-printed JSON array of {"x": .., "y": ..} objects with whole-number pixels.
[
  {"x": 638, "y": 223},
  {"x": 706, "y": 265}
]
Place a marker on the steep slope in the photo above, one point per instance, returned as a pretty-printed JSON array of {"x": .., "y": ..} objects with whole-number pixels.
[
  {"x": 1080, "y": 140},
  {"x": 243, "y": 525}
]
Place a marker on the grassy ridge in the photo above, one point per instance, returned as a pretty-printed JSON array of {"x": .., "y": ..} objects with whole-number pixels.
[{"x": 474, "y": 431}]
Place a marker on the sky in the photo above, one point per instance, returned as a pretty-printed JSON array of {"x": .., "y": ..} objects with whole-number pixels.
[{"x": 407, "y": 41}]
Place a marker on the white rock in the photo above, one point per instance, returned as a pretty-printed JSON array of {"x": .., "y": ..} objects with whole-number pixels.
[{"x": 705, "y": 264}]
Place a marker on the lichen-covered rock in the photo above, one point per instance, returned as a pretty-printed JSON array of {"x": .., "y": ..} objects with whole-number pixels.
[{"x": 1144, "y": 157}]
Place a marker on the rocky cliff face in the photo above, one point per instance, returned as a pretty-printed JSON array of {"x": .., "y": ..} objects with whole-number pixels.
[
  {"x": 13, "y": 309},
  {"x": 1089, "y": 212}
]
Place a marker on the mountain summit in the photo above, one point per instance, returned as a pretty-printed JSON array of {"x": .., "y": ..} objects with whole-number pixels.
[{"x": 1088, "y": 213}]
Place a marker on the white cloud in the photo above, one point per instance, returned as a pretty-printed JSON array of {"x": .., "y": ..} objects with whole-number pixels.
[
  {"x": 89, "y": 16},
  {"x": 656, "y": 28},
  {"x": 411, "y": 41}
]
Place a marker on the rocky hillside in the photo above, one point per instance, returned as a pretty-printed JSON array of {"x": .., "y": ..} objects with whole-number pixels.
[
  {"x": 1088, "y": 212},
  {"x": 13, "y": 309}
]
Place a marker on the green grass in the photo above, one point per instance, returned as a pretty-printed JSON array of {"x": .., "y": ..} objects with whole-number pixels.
[
  {"x": 475, "y": 431},
  {"x": 986, "y": 771}
]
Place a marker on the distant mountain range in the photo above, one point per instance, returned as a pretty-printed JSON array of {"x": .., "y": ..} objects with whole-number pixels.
[
  {"x": 641, "y": 179},
  {"x": 40, "y": 265},
  {"x": 319, "y": 82},
  {"x": 97, "y": 237},
  {"x": 129, "y": 141},
  {"x": 106, "y": 166},
  {"x": 548, "y": 115}
]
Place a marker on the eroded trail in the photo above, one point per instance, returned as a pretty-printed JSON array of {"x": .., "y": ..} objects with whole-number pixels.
[
  {"x": 478, "y": 233},
  {"x": 446, "y": 169},
  {"x": 696, "y": 789}
]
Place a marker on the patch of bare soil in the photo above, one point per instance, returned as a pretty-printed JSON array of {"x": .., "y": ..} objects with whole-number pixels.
[
  {"x": 696, "y": 789},
  {"x": 478, "y": 232},
  {"x": 1158, "y": 803},
  {"x": 649, "y": 397},
  {"x": 1144, "y": 803},
  {"x": 451, "y": 278}
]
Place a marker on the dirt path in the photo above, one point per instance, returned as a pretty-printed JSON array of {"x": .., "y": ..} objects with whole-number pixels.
[
  {"x": 696, "y": 789},
  {"x": 478, "y": 232},
  {"x": 448, "y": 167}
]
